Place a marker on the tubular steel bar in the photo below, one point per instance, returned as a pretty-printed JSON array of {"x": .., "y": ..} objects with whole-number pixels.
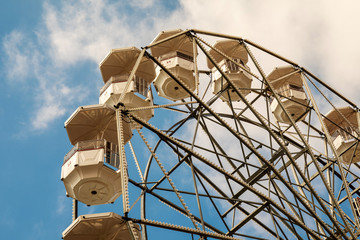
[
  {"x": 229, "y": 200},
  {"x": 74, "y": 209},
  {"x": 310, "y": 153},
  {"x": 201, "y": 233},
  {"x": 235, "y": 179},
  {"x": 246, "y": 142},
  {"x": 131, "y": 76},
  {"x": 303, "y": 69},
  {"x": 215, "y": 34},
  {"x": 330, "y": 88},
  {"x": 285, "y": 214},
  {"x": 280, "y": 143},
  {"x": 166, "y": 39},
  {"x": 188, "y": 213},
  {"x": 343, "y": 178},
  {"x": 277, "y": 56},
  {"x": 172, "y": 205}
]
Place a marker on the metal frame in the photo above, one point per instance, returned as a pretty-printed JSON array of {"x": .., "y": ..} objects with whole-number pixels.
[{"x": 290, "y": 183}]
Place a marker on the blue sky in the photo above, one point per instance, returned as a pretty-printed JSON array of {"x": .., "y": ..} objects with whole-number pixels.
[{"x": 50, "y": 51}]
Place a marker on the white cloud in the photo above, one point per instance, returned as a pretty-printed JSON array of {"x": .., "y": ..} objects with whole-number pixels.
[
  {"x": 321, "y": 36},
  {"x": 17, "y": 56},
  {"x": 88, "y": 30},
  {"x": 142, "y": 3},
  {"x": 71, "y": 34},
  {"x": 45, "y": 115},
  {"x": 27, "y": 64},
  {"x": 37, "y": 230},
  {"x": 62, "y": 204},
  {"x": 82, "y": 31}
]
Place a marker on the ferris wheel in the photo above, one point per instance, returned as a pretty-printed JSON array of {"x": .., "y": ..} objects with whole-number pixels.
[{"x": 201, "y": 135}]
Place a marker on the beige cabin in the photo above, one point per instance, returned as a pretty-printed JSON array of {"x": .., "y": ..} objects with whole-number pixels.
[
  {"x": 89, "y": 171},
  {"x": 236, "y": 70},
  {"x": 343, "y": 126},
  {"x": 95, "y": 122},
  {"x": 116, "y": 69},
  {"x": 100, "y": 226},
  {"x": 176, "y": 55},
  {"x": 287, "y": 83}
]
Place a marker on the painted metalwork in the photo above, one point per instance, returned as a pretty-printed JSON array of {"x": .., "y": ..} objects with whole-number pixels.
[{"x": 208, "y": 168}]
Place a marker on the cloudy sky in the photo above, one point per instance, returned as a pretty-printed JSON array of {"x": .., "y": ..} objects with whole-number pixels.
[{"x": 50, "y": 52}]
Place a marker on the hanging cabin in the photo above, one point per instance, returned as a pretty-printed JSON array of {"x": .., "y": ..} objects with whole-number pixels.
[
  {"x": 287, "y": 83},
  {"x": 100, "y": 226},
  {"x": 176, "y": 55},
  {"x": 236, "y": 70},
  {"x": 89, "y": 171},
  {"x": 116, "y": 69},
  {"x": 343, "y": 126}
]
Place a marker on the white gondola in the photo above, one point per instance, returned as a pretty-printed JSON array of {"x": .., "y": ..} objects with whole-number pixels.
[
  {"x": 176, "y": 55},
  {"x": 100, "y": 226},
  {"x": 95, "y": 122},
  {"x": 116, "y": 69},
  {"x": 88, "y": 174},
  {"x": 89, "y": 171},
  {"x": 287, "y": 83},
  {"x": 343, "y": 126},
  {"x": 239, "y": 76}
]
